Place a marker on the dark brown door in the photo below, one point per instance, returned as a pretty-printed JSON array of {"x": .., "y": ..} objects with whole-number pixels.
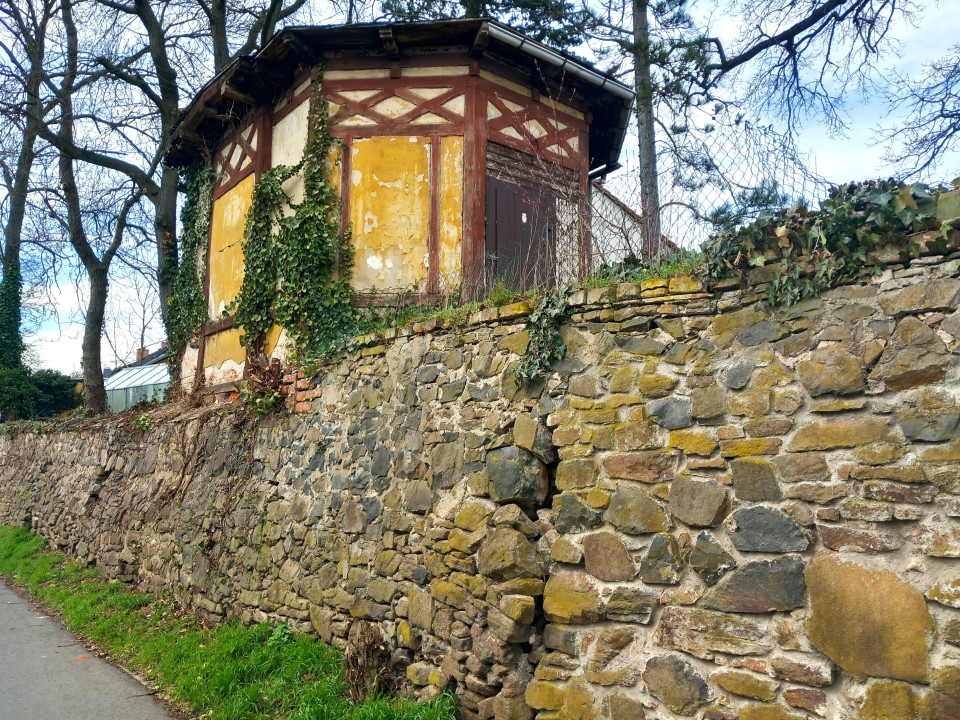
[{"x": 520, "y": 236}]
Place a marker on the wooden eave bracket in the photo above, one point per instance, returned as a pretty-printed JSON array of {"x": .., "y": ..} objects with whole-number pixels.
[
  {"x": 389, "y": 42},
  {"x": 481, "y": 41},
  {"x": 228, "y": 90}
]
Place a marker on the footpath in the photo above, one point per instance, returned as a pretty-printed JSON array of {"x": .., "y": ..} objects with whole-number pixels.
[{"x": 46, "y": 674}]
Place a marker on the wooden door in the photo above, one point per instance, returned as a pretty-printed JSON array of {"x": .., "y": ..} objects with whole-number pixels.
[{"x": 521, "y": 229}]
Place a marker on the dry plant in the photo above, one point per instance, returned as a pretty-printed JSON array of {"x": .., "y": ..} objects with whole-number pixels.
[{"x": 366, "y": 660}]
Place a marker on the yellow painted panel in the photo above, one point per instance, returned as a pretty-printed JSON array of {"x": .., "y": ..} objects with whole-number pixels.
[
  {"x": 390, "y": 211},
  {"x": 450, "y": 236},
  {"x": 223, "y": 347},
  {"x": 226, "y": 245},
  {"x": 271, "y": 340}
]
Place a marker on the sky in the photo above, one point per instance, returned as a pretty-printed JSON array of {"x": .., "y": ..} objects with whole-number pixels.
[{"x": 853, "y": 156}]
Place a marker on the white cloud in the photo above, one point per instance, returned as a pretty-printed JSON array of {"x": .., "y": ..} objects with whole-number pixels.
[{"x": 54, "y": 349}]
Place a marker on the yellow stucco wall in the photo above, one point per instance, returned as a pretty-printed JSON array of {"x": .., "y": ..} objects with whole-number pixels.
[
  {"x": 450, "y": 230},
  {"x": 390, "y": 211},
  {"x": 226, "y": 245},
  {"x": 223, "y": 357}
]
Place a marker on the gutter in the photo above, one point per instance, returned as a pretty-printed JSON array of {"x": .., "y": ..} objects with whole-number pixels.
[{"x": 531, "y": 47}]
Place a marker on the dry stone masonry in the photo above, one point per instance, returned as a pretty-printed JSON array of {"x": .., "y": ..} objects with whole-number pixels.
[{"x": 710, "y": 509}]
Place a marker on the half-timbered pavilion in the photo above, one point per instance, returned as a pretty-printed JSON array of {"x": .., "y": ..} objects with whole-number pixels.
[{"x": 468, "y": 150}]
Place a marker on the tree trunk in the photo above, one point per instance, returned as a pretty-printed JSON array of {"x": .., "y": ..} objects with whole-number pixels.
[
  {"x": 94, "y": 394},
  {"x": 649, "y": 191},
  {"x": 218, "y": 34}
]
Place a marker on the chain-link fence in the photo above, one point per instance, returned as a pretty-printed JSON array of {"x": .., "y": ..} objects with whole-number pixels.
[{"x": 708, "y": 178}]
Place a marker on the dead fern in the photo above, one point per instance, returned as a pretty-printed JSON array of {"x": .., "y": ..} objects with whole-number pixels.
[{"x": 366, "y": 659}]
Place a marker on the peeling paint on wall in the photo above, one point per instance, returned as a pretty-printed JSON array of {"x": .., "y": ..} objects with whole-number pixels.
[
  {"x": 223, "y": 357},
  {"x": 390, "y": 211},
  {"x": 226, "y": 245},
  {"x": 450, "y": 236}
]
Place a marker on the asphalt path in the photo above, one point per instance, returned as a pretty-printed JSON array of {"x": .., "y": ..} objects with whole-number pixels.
[{"x": 45, "y": 674}]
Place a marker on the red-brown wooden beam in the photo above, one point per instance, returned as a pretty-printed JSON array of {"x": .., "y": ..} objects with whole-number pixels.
[{"x": 474, "y": 190}]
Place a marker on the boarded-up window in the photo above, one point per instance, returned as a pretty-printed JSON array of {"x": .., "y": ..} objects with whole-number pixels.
[
  {"x": 532, "y": 230},
  {"x": 520, "y": 236}
]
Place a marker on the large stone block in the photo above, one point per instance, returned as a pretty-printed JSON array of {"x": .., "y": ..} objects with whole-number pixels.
[
  {"x": 870, "y": 622},
  {"x": 891, "y": 700},
  {"x": 672, "y": 413},
  {"x": 648, "y": 467},
  {"x": 932, "y": 295},
  {"x": 635, "y": 512},
  {"x": 709, "y": 560},
  {"x": 676, "y": 683},
  {"x": 630, "y": 603},
  {"x": 831, "y": 370},
  {"x": 606, "y": 557},
  {"x": 705, "y": 632},
  {"x": 763, "y": 586},
  {"x": 745, "y": 684},
  {"x": 838, "y": 433},
  {"x": 570, "y": 598},
  {"x": 533, "y": 435},
  {"x": 662, "y": 563},
  {"x": 517, "y": 476},
  {"x": 700, "y": 503},
  {"x": 914, "y": 356},
  {"x": 765, "y": 529},
  {"x": 573, "y": 514},
  {"x": 754, "y": 479},
  {"x": 507, "y": 554}
]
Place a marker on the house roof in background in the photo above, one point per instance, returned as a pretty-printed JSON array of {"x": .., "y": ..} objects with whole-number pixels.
[
  {"x": 137, "y": 376},
  {"x": 260, "y": 78}
]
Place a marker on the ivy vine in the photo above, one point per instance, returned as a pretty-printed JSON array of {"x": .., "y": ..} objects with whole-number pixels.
[
  {"x": 546, "y": 346},
  {"x": 297, "y": 258},
  {"x": 821, "y": 249},
  {"x": 188, "y": 306}
]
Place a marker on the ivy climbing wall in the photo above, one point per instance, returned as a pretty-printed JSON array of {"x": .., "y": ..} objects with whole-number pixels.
[{"x": 708, "y": 508}]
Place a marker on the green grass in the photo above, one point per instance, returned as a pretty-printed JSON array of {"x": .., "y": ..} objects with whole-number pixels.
[{"x": 229, "y": 672}]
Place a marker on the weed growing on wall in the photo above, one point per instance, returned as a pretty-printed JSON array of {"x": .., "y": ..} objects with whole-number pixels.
[
  {"x": 546, "y": 346},
  {"x": 188, "y": 306},
  {"x": 824, "y": 248},
  {"x": 297, "y": 265}
]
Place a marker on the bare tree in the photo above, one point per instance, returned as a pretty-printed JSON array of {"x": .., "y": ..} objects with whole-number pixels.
[
  {"x": 96, "y": 267},
  {"x": 792, "y": 59},
  {"x": 155, "y": 55},
  {"x": 24, "y": 25},
  {"x": 932, "y": 127}
]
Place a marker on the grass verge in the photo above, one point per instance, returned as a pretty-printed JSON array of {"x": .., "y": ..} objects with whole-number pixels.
[{"x": 228, "y": 672}]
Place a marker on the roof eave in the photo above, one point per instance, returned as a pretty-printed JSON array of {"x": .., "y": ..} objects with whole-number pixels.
[{"x": 257, "y": 79}]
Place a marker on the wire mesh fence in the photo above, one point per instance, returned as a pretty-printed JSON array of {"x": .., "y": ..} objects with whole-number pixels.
[{"x": 708, "y": 178}]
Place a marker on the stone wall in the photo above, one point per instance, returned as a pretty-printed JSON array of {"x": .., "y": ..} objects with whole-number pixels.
[{"x": 709, "y": 509}]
